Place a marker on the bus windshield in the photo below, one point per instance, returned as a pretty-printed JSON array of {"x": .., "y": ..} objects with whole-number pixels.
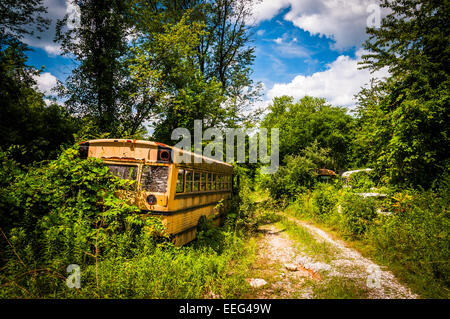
[
  {"x": 154, "y": 178},
  {"x": 123, "y": 171}
]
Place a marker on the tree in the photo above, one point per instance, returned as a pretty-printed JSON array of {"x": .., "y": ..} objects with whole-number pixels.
[
  {"x": 25, "y": 120},
  {"x": 299, "y": 172},
  {"x": 408, "y": 121},
  {"x": 99, "y": 87},
  {"x": 215, "y": 83},
  {"x": 18, "y": 18},
  {"x": 165, "y": 74},
  {"x": 308, "y": 120}
]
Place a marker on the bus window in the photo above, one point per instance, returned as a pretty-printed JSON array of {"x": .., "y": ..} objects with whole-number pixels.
[
  {"x": 123, "y": 171},
  {"x": 154, "y": 178},
  {"x": 208, "y": 181},
  {"x": 189, "y": 181},
  {"x": 203, "y": 182},
  {"x": 196, "y": 182},
  {"x": 221, "y": 181},
  {"x": 213, "y": 181},
  {"x": 180, "y": 181}
]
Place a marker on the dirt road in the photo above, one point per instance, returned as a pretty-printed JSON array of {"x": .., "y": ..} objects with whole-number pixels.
[{"x": 299, "y": 260}]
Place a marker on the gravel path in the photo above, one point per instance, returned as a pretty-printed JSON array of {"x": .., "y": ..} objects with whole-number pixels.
[
  {"x": 349, "y": 263},
  {"x": 286, "y": 268}
]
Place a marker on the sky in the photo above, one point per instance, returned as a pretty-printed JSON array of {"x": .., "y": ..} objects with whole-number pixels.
[{"x": 302, "y": 47}]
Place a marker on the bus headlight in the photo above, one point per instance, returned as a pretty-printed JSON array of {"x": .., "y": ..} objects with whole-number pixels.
[{"x": 151, "y": 199}]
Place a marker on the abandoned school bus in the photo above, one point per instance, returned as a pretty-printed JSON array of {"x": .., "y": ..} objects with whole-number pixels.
[{"x": 180, "y": 193}]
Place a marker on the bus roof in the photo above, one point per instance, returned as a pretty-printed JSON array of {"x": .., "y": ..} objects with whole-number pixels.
[{"x": 150, "y": 144}]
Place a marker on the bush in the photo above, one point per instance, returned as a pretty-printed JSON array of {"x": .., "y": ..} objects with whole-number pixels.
[
  {"x": 358, "y": 214},
  {"x": 362, "y": 181},
  {"x": 324, "y": 200},
  {"x": 298, "y": 174},
  {"x": 415, "y": 237}
]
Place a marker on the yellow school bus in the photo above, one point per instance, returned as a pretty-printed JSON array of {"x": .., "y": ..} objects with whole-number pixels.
[{"x": 179, "y": 192}]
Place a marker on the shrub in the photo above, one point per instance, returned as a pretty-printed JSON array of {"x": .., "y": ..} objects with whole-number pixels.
[
  {"x": 299, "y": 172},
  {"x": 324, "y": 199},
  {"x": 358, "y": 214},
  {"x": 415, "y": 237},
  {"x": 66, "y": 212},
  {"x": 362, "y": 181}
]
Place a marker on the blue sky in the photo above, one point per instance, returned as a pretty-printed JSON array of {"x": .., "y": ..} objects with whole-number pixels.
[
  {"x": 302, "y": 47},
  {"x": 284, "y": 51}
]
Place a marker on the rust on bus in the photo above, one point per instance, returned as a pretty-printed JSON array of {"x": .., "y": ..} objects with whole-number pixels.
[{"x": 177, "y": 193}]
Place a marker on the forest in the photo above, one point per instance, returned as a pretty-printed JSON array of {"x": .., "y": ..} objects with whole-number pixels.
[{"x": 162, "y": 64}]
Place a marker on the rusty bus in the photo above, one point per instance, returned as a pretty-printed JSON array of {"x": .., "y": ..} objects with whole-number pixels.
[{"x": 179, "y": 193}]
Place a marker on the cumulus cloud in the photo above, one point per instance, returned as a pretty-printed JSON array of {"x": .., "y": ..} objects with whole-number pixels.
[
  {"x": 45, "y": 82},
  {"x": 338, "y": 84},
  {"x": 344, "y": 21}
]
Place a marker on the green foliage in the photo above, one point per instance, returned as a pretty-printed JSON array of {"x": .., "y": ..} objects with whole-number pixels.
[
  {"x": 175, "y": 273},
  {"x": 243, "y": 208},
  {"x": 67, "y": 212},
  {"x": 405, "y": 119},
  {"x": 308, "y": 120},
  {"x": 412, "y": 238},
  {"x": 18, "y": 18},
  {"x": 341, "y": 288},
  {"x": 99, "y": 88},
  {"x": 224, "y": 51},
  {"x": 358, "y": 214},
  {"x": 415, "y": 238},
  {"x": 161, "y": 65},
  {"x": 25, "y": 119},
  {"x": 299, "y": 173},
  {"x": 361, "y": 181},
  {"x": 324, "y": 199}
]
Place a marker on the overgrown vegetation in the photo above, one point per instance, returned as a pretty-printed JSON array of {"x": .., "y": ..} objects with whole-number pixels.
[
  {"x": 407, "y": 231},
  {"x": 167, "y": 63},
  {"x": 67, "y": 212},
  {"x": 400, "y": 210}
]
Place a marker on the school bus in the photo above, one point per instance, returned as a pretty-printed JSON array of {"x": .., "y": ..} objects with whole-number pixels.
[{"x": 180, "y": 193}]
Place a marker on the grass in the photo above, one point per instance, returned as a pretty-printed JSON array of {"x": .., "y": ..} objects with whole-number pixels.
[
  {"x": 340, "y": 288},
  {"x": 419, "y": 283},
  {"x": 166, "y": 272},
  {"x": 322, "y": 251}
]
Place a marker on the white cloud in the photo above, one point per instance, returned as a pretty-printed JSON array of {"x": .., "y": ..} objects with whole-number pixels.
[
  {"x": 291, "y": 48},
  {"x": 278, "y": 40},
  {"x": 45, "y": 82},
  {"x": 344, "y": 21},
  {"x": 260, "y": 32},
  {"x": 267, "y": 9},
  {"x": 338, "y": 84},
  {"x": 52, "y": 49},
  {"x": 56, "y": 10}
]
